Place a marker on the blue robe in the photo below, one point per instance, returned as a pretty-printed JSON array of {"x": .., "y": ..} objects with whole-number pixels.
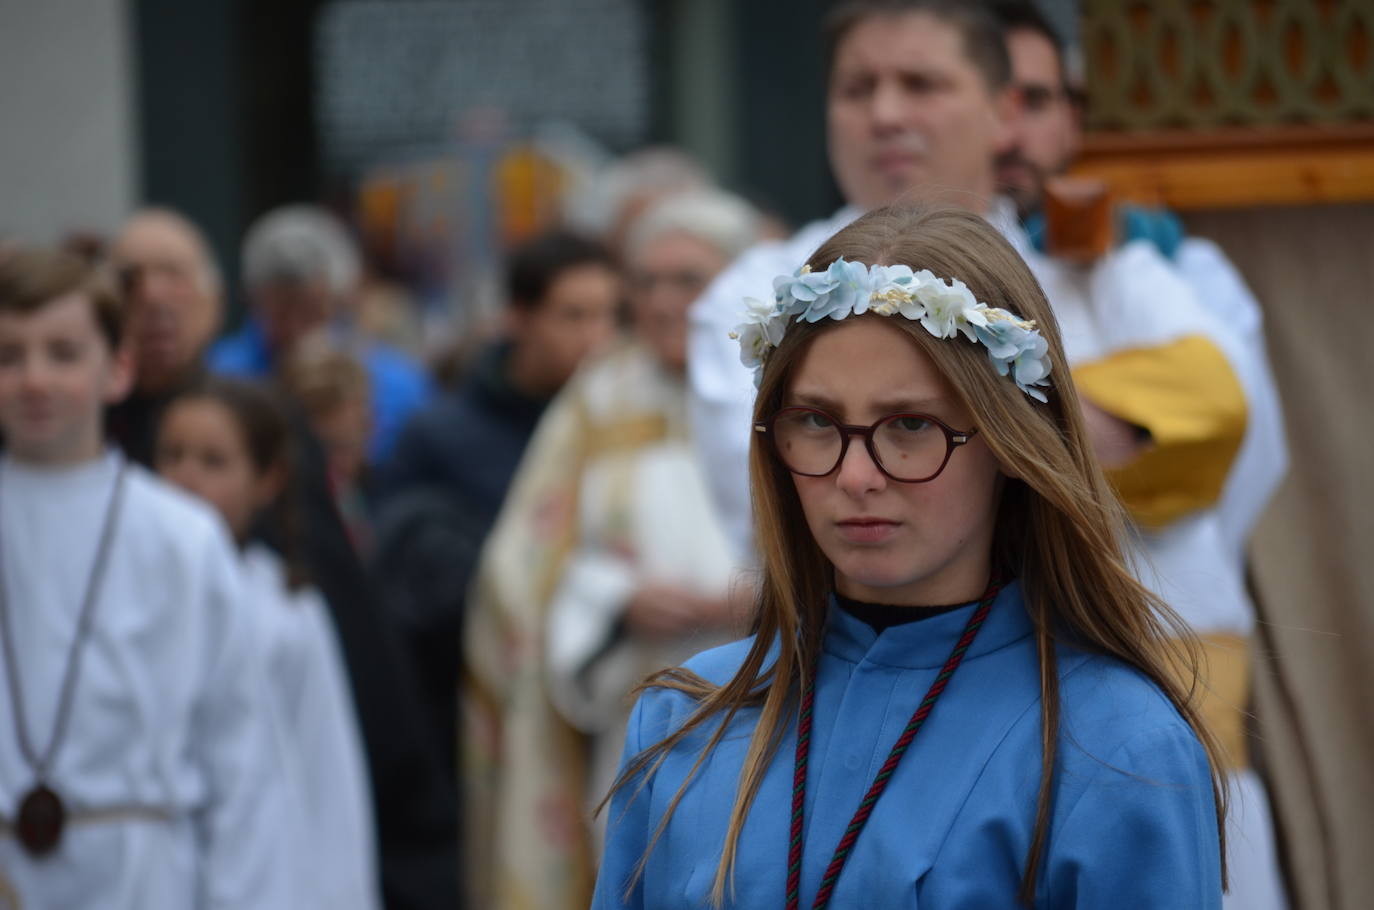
[{"x": 1133, "y": 823}]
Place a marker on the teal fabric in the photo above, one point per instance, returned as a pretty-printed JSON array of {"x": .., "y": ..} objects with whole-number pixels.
[
  {"x": 1134, "y": 222},
  {"x": 1133, "y": 822}
]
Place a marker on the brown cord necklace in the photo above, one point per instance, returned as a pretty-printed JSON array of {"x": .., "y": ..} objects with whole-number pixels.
[{"x": 42, "y": 814}]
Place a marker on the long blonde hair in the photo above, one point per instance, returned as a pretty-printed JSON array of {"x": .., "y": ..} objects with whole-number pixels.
[{"x": 1060, "y": 529}]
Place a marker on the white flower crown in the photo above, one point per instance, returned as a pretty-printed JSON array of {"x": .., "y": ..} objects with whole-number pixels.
[{"x": 945, "y": 309}]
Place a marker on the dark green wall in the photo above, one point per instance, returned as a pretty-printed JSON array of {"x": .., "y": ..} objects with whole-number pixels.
[
  {"x": 226, "y": 129},
  {"x": 740, "y": 85},
  {"x": 781, "y": 107}
]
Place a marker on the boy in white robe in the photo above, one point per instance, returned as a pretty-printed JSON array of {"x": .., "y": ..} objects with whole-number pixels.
[{"x": 158, "y": 761}]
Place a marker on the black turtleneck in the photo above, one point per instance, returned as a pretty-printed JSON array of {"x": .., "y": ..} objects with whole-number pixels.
[{"x": 882, "y": 616}]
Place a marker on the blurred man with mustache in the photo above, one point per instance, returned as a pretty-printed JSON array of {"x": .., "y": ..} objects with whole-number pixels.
[
  {"x": 1048, "y": 135},
  {"x": 174, "y": 296},
  {"x": 1044, "y": 145}
]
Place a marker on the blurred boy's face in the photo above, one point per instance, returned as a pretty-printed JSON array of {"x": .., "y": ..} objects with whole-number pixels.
[
  {"x": 577, "y": 316},
  {"x": 57, "y": 374}
]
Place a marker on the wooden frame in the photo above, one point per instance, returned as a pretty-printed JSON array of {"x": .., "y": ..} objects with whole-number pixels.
[{"x": 1232, "y": 168}]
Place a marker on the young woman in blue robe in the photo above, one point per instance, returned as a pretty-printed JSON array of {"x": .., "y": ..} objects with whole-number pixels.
[{"x": 956, "y": 695}]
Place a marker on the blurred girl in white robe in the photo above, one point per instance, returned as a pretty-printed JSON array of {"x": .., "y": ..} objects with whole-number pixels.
[{"x": 228, "y": 442}]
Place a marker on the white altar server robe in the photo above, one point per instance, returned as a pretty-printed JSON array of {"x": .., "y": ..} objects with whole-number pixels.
[
  {"x": 336, "y": 835},
  {"x": 170, "y": 769}
]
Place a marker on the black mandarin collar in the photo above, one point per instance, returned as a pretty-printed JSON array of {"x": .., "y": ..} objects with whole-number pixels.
[{"x": 883, "y": 616}]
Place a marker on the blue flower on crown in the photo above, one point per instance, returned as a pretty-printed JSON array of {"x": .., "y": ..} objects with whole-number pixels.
[
  {"x": 840, "y": 290},
  {"x": 1017, "y": 349}
]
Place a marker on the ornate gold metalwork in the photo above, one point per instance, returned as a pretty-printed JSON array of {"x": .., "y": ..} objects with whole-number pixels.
[{"x": 1165, "y": 64}]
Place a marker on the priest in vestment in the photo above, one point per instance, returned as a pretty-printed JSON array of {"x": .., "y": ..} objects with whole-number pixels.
[{"x": 606, "y": 564}]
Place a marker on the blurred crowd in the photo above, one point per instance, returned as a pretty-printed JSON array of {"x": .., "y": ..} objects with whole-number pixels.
[
  {"x": 496, "y": 540},
  {"x": 353, "y": 473}
]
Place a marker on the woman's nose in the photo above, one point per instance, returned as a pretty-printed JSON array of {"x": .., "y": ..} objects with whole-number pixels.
[{"x": 858, "y": 473}]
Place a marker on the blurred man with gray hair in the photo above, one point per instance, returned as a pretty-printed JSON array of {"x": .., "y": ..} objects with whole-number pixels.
[{"x": 301, "y": 271}]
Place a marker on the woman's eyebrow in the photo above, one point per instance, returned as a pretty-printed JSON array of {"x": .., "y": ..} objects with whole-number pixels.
[
  {"x": 896, "y": 405},
  {"x": 913, "y": 403},
  {"x": 812, "y": 400}
]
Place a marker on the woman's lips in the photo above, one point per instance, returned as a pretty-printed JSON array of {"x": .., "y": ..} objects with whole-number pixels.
[{"x": 867, "y": 530}]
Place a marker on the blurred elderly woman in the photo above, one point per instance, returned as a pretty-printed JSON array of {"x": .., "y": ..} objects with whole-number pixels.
[{"x": 606, "y": 564}]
